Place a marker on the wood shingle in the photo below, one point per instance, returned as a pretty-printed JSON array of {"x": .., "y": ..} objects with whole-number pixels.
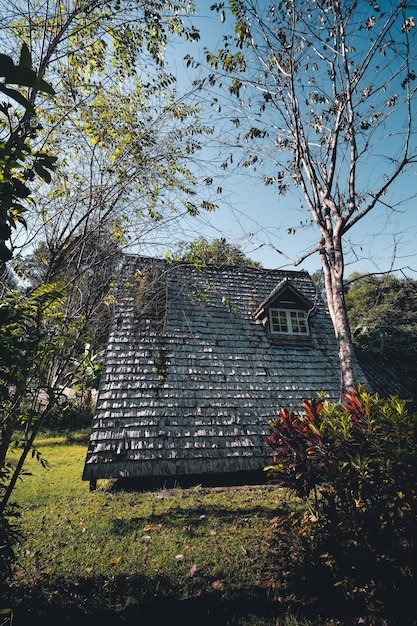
[{"x": 192, "y": 375}]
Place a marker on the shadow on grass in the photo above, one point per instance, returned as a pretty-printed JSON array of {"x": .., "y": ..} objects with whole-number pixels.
[
  {"x": 133, "y": 600},
  {"x": 197, "y": 518},
  {"x": 220, "y": 479},
  {"x": 139, "y": 599},
  {"x": 195, "y": 512}
]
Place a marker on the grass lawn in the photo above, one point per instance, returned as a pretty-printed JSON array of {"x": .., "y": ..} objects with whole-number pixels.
[{"x": 189, "y": 556}]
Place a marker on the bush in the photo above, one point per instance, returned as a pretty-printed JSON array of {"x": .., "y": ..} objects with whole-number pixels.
[
  {"x": 71, "y": 414},
  {"x": 355, "y": 466},
  {"x": 9, "y": 531}
]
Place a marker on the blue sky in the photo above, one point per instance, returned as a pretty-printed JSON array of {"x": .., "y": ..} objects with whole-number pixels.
[{"x": 257, "y": 219}]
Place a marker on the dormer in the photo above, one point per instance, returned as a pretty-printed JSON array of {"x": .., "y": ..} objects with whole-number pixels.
[{"x": 286, "y": 314}]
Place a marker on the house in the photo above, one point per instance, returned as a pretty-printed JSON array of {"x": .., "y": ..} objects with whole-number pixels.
[{"x": 197, "y": 364}]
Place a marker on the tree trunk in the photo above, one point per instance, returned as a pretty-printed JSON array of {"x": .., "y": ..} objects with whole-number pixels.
[{"x": 333, "y": 278}]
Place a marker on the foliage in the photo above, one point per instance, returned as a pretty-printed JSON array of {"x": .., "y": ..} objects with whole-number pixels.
[
  {"x": 20, "y": 163},
  {"x": 355, "y": 466},
  {"x": 88, "y": 266},
  {"x": 123, "y": 140},
  {"x": 10, "y": 531},
  {"x": 26, "y": 342},
  {"x": 37, "y": 338},
  {"x": 125, "y": 137},
  {"x": 26, "y": 330},
  {"x": 383, "y": 316},
  {"x": 48, "y": 367},
  {"x": 309, "y": 90},
  {"x": 299, "y": 448},
  {"x": 218, "y": 252}
]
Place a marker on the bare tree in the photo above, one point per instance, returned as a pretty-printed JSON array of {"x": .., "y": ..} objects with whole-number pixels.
[{"x": 320, "y": 96}]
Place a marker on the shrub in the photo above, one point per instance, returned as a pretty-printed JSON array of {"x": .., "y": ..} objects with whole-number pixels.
[
  {"x": 9, "y": 531},
  {"x": 70, "y": 414},
  {"x": 355, "y": 466}
]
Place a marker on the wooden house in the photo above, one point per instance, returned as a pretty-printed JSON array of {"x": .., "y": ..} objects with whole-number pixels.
[{"x": 198, "y": 362}]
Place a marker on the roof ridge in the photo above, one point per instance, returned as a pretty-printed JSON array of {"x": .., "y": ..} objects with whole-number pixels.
[{"x": 130, "y": 257}]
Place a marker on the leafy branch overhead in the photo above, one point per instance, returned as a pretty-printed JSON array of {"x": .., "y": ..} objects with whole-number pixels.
[
  {"x": 21, "y": 75},
  {"x": 20, "y": 164}
]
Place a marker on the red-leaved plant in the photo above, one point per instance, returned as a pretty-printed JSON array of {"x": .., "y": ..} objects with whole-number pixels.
[
  {"x": 301, "y": 452},
  {"x": 354, "y": 464}
]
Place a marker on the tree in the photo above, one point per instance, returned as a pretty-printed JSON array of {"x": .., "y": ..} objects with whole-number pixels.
[
  {"x": 383, "y": 315},
  {"x": 50, "y": 339},
  {"x": 88, "y": 272},
  {"x": 126, "y": 143},
  {"x": 320, "y": 97},
  {"x": 218, "y": 252},
  {"x": 19, "y": 162},
  {"x": 125, "y": 137},
  {"x": 126, "y": 140}
]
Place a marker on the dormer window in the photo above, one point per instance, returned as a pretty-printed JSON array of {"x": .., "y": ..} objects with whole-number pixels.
[
  {"x": 285, "y": 314},
  {"x": 288, "y": 322}
]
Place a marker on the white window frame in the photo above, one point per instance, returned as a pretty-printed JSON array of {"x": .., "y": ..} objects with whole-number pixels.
[{"x": 299, "y": 314}]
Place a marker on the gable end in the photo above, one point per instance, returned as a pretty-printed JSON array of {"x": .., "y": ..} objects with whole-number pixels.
[{"x": 285, "y": 314}]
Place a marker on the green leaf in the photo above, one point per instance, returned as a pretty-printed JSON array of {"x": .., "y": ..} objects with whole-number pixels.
[
  {"x": 6, "y": 65},
  {"x": 5, "y": 253},
  {"x": 42, "y": 85},
  {"x": 20, "y": 190},
  {"x": 25, "y": 57},
  {"x": 17, "y": 96},
  {"x": 23, "y": 74},
  {"x": 42, "y": 172}
]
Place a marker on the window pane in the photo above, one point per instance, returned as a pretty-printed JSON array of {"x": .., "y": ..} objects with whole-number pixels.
[
  {"x": 303, "y": 324},
  {"x": 279, "y": 321},
  {"x": 298, "y": 322},
  {"x": 288, "y": 321},
  {"x": 294, "y": 322},
  {"x": 283, "y": 325}
]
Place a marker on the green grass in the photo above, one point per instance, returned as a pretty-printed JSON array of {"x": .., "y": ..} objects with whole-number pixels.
[{"x": 194, "y": 555}]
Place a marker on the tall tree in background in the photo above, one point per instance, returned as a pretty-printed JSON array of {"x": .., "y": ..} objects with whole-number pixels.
[
  {"x": 383, "y": 316},
  {"x": 320, "y": 96},
  {"x": 216, "y": 252}
]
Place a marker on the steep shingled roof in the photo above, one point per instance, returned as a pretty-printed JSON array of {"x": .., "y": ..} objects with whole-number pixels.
[{"x": 192, "y": 377}]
